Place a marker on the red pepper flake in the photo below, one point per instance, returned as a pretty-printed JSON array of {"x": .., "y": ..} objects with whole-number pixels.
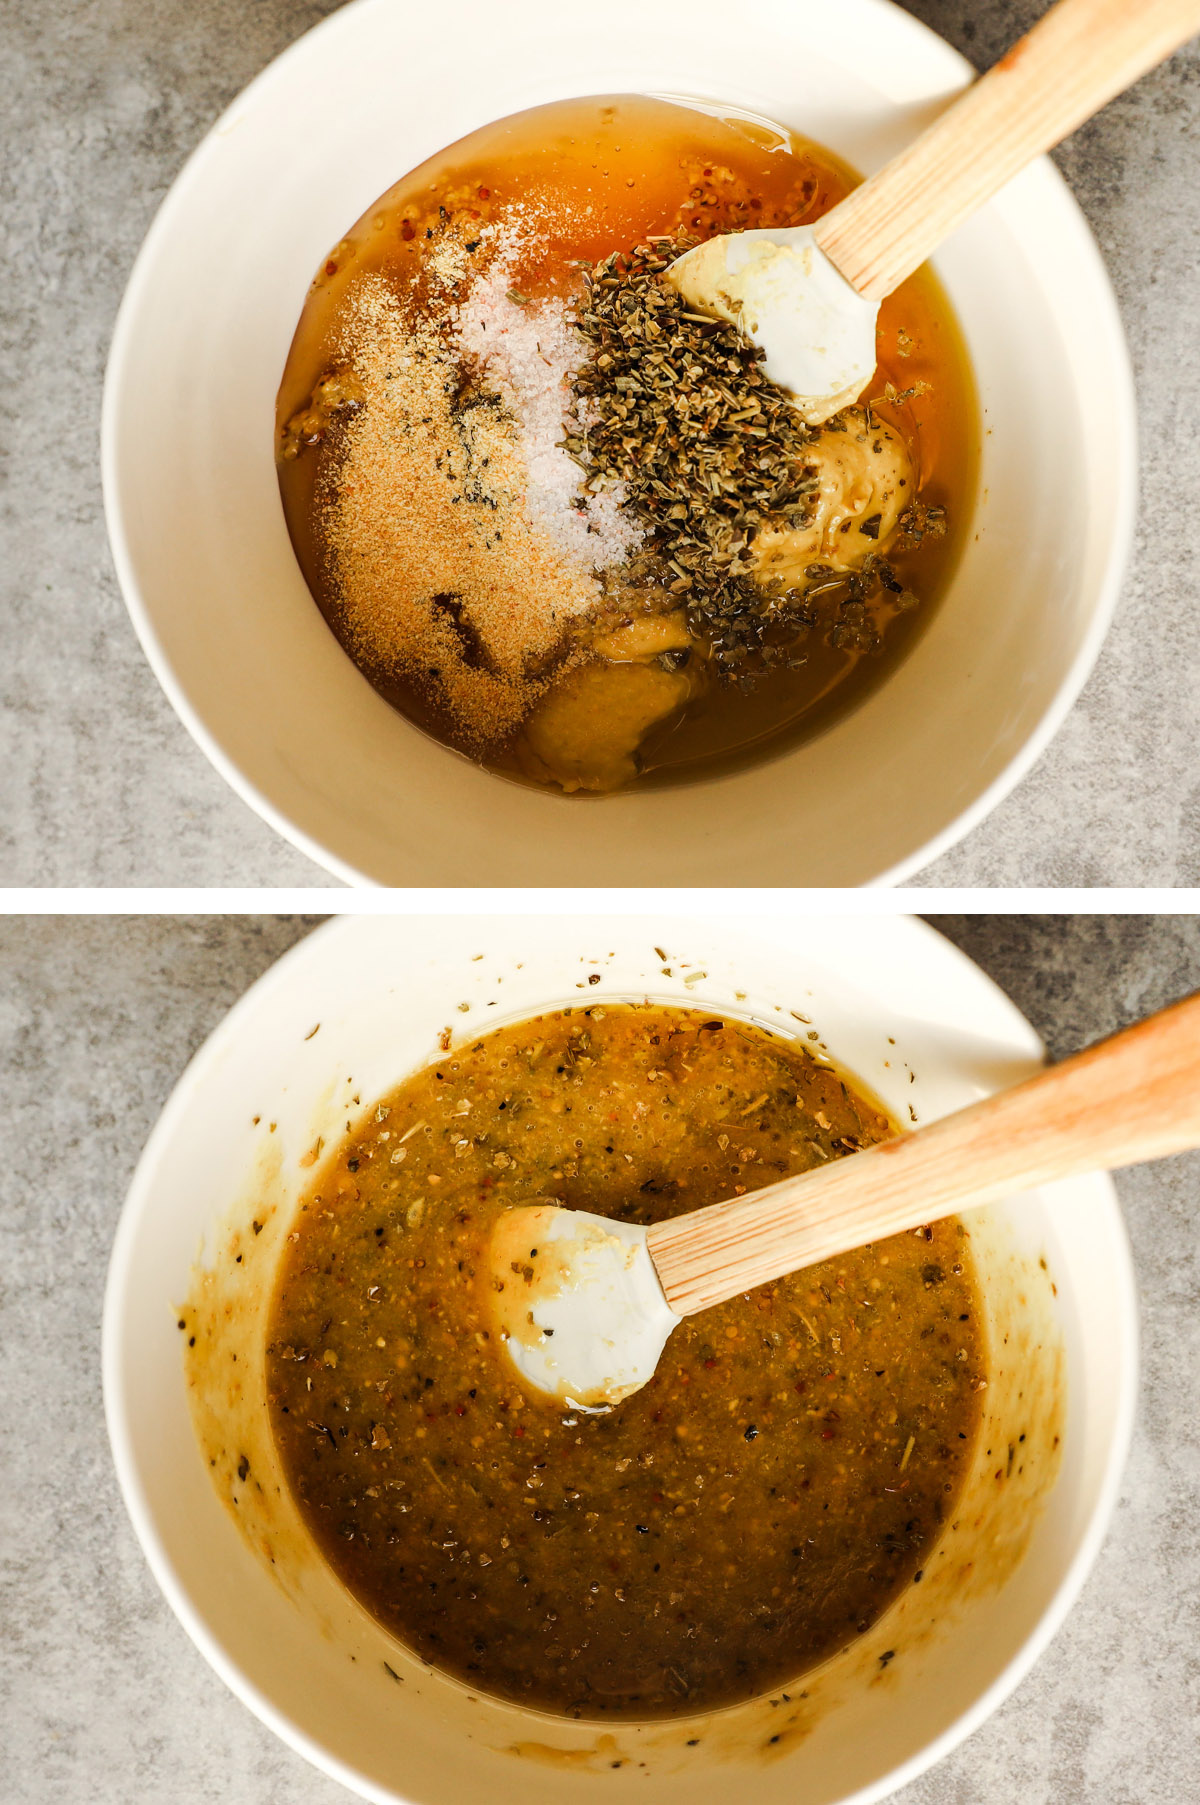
[
  {"x": 518, "y": 1432},
  {"x": 331, "y": 268},
  {"x": 485, "y": 194},
  {"x": 406, "y": 230},
  {"x": 709, "y": 1364}
]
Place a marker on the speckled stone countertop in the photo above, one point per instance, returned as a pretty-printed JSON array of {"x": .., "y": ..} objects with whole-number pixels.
[
  {"x": 104, "y": 1700},
  {"x": 104, "y": 99}
]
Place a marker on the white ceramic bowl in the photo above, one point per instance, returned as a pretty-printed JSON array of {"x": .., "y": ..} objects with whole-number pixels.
[
  {"x": 901, "y": 1008},
  {"x": 222, "y": 610}
]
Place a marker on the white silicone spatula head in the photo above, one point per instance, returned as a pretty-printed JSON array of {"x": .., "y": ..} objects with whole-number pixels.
[
  {"x": 577, "y": 1303},
  {"x": 780, "y": 290},
  {"x": 584, "y": 1305},
  {"x": 809, "y": 295}
]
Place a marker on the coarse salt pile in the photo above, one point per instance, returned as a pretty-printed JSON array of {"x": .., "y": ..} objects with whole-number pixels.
[{"x": 528, "y": 354}]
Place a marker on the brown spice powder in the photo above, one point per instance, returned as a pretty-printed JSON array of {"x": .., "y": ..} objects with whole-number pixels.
[{"x": 439, "y": 574}]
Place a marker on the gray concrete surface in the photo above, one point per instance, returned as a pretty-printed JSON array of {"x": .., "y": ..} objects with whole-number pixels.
[
  {"x": 103, "y": 1699},
  {"x": 102, "y": 101}
]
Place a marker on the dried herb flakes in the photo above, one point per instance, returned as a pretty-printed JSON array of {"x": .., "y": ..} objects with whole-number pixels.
[{"x": 676, "y": 407}]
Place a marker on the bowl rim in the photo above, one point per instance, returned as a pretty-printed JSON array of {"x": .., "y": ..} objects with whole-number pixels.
[
  {"x": 1123, "y": 453},
  {"x": 138, "y": 1199}
]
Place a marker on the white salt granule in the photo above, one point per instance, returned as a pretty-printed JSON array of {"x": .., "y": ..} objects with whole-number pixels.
[{"x": 527, "y": 354}]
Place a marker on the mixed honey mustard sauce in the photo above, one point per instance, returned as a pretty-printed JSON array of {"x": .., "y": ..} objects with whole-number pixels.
[{"x": 780, "y": 1481}]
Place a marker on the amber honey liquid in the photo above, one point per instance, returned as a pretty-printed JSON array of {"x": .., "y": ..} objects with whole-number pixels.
[{"x": 609, "y": 172}]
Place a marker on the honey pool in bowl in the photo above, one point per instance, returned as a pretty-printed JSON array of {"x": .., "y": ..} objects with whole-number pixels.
[{"x": 571, "y": 530}]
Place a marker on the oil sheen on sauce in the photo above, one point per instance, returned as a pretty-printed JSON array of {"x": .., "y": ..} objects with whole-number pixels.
[
  {"x": 783, "y": 1477},
  {"x": 619, "y": 169}
]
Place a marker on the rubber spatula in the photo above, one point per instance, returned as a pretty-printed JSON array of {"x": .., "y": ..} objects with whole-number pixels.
[
  {"x": 584, "y": 1305},
  {"x": 809, "y": 295}
]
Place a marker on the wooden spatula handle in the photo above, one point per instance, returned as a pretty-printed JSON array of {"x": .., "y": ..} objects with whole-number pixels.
[
  {"x": 1072, "y": 62},
  {"x": 1133, "y": 1097}
]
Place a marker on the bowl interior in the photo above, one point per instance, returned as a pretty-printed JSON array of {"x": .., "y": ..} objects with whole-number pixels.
[
  {"x": 208, "y": 571},
  {"x": 890, "y": 999}
]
